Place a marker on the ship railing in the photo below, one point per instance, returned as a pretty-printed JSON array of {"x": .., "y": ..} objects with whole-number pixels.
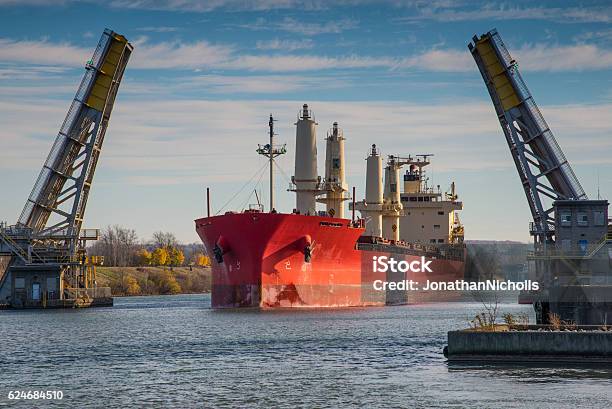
[
  {"x": 415, "y": 249},
  {"x": 535, "y": 228},
  {"x": 255, "y": 208},
  {"x": 561, "y": 254}
]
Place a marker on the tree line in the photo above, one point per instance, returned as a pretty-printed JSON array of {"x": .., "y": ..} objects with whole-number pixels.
[
  {"x": 121, "y": 247},
  {"x": 495, "y": 260}
]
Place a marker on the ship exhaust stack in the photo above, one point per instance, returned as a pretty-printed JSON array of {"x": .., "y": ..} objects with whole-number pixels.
[
  {"x": 334, "y": 184},
  {"x": 392, "y": 205},
  {"x": 371, "y": 207},
  {"x": 305, "y": 182}
]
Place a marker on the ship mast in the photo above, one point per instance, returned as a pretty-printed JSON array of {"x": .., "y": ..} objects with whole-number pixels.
[{"x": 271, "y": 152}]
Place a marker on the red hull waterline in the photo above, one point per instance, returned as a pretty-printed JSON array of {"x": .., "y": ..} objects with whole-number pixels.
[{"x": 263, "y": 263}]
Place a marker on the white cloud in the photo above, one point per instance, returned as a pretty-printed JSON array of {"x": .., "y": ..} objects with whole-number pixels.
[
  {"x": 158, "y": 29},
  {"x": 505, "y": 12},
  {"x": 260, "y": 84},
  {"x": 34, "y": 2},
  {"x": 582, "y": 57},
  {"x": 441, "y": 60},
  {"x": 536, "y": 57},
  {"x": 335, "y": 26},
  {"x": 292, "y": 25},
  {"x": 43, "y": 52},
  {"x": 436, "y": 10},
  {"x": 605, "y": 35},
  {"x": 206, "y": 5},
  {"x": 29, "y": 72},
  {"x": 279, "y": 63},
  {"x": 204, "y": 55},
  {"x": 183, "y": 132},
  {"x": 285, "y": 45},
  {"x": 179, "y": 55}
]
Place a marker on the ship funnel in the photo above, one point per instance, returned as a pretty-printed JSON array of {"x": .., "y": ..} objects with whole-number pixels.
[
  {"x": 334, "y": 184},
  {"x": 371, "y": 207},
  {"x": 392, "y": 207},
  {"x": 305, "y": 182},
  {"x": 374, "y": 191}
]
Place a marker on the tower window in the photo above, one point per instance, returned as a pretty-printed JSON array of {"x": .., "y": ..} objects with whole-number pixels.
[
  {"x": 441, "y": 213},
  {"x": 598, "y": 218},
  {"x": 566, "y": 219}
]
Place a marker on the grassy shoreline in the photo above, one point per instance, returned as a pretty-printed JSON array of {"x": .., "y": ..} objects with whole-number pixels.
[{"x": 142, "y": 281}]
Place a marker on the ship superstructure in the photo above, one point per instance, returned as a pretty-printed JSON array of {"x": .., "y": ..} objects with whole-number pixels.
[
  {"x": 413, "y": 213},
  {"x": 430, "y": 215},
  {"x": 310, "y": 258},
  {"x": 334, "y": 184}
]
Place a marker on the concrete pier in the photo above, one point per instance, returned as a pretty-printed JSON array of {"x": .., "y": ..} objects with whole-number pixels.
[{"x": 586, "y": 344}]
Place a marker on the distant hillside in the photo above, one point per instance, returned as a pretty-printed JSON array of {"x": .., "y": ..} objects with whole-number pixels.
[
  {"x": 154, "y": 280},
  {"x": 489, "y": 259}
]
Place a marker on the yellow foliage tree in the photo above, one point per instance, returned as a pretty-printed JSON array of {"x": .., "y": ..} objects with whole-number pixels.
[
  {"x": 144, "y": 257},
  {"x": 177, "y": 258},
  {"x": 202, "y": 260},
  {"x": 159, "y": 257},
  {"x": 169, "y": 285},
  {"x": 131, "y": 286}
]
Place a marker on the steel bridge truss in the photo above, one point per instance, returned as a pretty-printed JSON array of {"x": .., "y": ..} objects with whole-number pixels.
[
  {"x": 48, "y": 236},
  {"x": 543, "y": 169},
  {"x": 61, "y": 191}
]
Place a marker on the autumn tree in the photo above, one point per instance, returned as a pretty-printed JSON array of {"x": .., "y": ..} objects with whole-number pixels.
[
  {"x": 199, "y": 259},
  {"x": 164, "y": 239},
  {"x": 177, "y": 258},
  {"x": 168, "y": 284},
  {"x": 117, "y": 245},
  {"x": 143, "y": 257},
  {"x": 159, "y": 257},
  {"x": 131, "y": 286}
]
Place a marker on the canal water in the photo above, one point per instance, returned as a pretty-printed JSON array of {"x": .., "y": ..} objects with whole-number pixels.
[{"x": 173, "y": 351}]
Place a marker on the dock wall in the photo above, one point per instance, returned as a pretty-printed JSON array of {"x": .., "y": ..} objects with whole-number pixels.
[{"x": 528, "y": 346}]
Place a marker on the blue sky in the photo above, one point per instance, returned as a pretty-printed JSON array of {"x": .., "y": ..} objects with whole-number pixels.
[{"x": 205, "y": 75}]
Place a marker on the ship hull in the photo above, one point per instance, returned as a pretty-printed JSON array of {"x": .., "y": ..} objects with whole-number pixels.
[{"x": 272, "y": 260}]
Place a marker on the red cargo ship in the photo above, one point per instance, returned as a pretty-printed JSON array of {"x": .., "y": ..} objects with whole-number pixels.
[{"x": 311, "y": 259}]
